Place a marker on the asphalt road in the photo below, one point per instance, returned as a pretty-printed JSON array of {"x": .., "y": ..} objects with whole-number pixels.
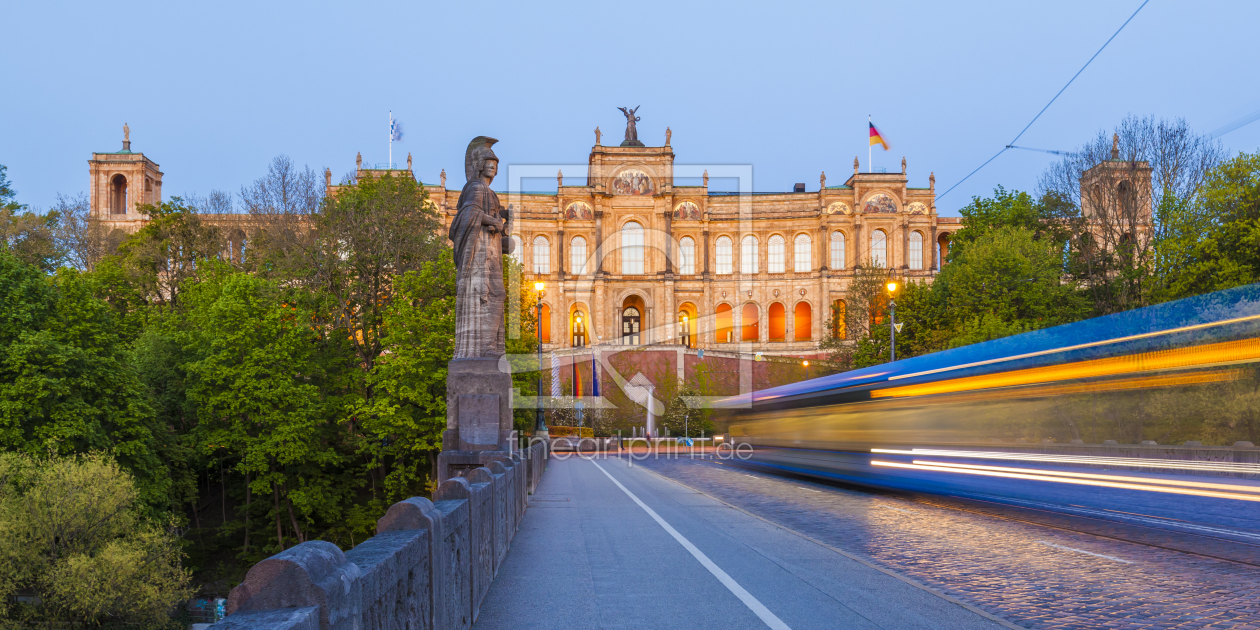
[{"x": 608, "y": 545}]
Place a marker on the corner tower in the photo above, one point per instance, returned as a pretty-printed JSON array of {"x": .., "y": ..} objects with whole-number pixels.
[{"x": 120, "y": 183}]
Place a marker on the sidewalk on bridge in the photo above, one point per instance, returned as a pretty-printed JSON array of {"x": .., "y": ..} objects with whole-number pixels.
[{"x": 588, "y": 555}]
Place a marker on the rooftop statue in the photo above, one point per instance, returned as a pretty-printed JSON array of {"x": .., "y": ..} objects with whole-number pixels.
[
  {"x": 480, "y": 233},
  {"x": 632, "y": 132}
]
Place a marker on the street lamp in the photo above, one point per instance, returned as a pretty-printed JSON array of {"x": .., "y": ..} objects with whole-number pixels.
[
  {"x": 892, "y": 321},
  {"x": 540, "y": 425},
  {"x": 806, "y": 364}
]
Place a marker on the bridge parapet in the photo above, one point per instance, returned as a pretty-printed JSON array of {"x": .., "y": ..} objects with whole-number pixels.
[{"x": 428, "y": 567}]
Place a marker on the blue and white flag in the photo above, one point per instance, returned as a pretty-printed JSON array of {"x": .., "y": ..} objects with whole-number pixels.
[{"x": 395, "y": 128}]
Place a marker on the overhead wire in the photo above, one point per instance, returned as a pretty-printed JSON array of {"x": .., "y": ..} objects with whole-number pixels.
[
  {"x": 1010, "y": 144},
  {"x": 1241, "y": 122}
]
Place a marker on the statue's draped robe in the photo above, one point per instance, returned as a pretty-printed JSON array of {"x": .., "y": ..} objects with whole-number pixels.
[{"x": 479, "y": 292}]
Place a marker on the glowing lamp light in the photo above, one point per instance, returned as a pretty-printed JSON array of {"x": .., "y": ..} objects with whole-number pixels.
[
  {"x": 805, "y": 363},
  {"x": 538, "y": 286},
  {"x": 892, "y": 287}
]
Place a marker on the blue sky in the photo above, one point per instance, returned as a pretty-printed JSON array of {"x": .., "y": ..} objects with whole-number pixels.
[{"x": 212, "y": 91}]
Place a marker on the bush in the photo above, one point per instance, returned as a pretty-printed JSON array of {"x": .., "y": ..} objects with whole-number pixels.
[{"x": 74, "y": 540}]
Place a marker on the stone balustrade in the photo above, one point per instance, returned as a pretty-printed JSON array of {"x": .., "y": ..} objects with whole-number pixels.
[{"x": 428, "y": 567}]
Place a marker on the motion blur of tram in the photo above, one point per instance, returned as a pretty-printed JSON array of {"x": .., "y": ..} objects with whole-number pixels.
[{"x": 1156, "y": 408}]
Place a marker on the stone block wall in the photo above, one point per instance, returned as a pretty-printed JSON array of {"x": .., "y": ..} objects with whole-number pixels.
[{"x": 428, "y": 567}]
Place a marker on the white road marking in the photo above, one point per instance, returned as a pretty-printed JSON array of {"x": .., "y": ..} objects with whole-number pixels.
[
  {"x": 808, "y": 489},
  {"x": 889, "y": 507},
  {"x": 744, "y": 596},
  {"x": 1096, "y": 555}
]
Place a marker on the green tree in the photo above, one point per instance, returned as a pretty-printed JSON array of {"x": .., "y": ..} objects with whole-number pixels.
[
  {"x": 1218, "y": 243},
  {"x": 76, "y": 534},
  {"x": 66, "y": 381},
  {"x": 1050, "y": 218},
  {"x": 162, "y": 257},
  {"x": 406, "y": 417},
  {"x": 1011, "y": 276},
  {"x": 260, "y": 394}
]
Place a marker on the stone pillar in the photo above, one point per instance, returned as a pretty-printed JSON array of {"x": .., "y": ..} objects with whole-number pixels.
[
  {"x": 905, "y": 244},
  {"x": 857, "y": 246},
  {"x": 560, "y": 255},
  {"x": 669, "y": 242},
  {"x": 706, "y": 253},
  {"x": 599, "y": 242},
  {"x": 936, "y": 263},
  {"x": 478, "y": 416}
]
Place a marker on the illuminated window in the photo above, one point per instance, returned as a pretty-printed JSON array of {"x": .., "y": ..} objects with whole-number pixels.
[
  {"x": 544, "y": 324},
  {"x": 687, "y": 256},
  {"x": 632, "y": 248},
  {"x": 725, "y": 325},
  {"x": 837, "y": 250},
  {"x": 579, "y": 329},
  {"x": 803, "y": 254},
  {"x": 879, "y": 248},
  {"x": 837, "y": 319},
  {"x": 542, "y": 255},
  {"x": 748, "y": 255},
  {"x": 749, "y": 326},
  {"x": 577, "y": 255},
  {"x": 724, "y": 256},
  {"x": 916, "y": 250},
  {"x": 778, "y": 322},
  {"x": 803, "y": 325}
]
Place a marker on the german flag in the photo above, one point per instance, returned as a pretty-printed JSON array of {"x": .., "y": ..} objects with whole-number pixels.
[{"x": 876, "y": 138}]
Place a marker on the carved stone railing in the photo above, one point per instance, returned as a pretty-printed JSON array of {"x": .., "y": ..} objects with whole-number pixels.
[{"x": 429, "y": 566}]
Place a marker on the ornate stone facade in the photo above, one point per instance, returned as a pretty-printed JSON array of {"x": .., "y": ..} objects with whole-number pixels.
[{"x": 628, "y": 257}]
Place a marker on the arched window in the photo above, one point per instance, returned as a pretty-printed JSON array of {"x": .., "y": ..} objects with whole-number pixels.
[
  {"x": 775, "y": 254},
  {"x": 916, "y": 250},
  {"x": 837, "y": 319},
  {"x": 118, "y": 195},
  {"x": 687, "y": 256},
  {"x": 803, "y": 324},
  {"x": 724, "y": 255},
  {"x": 879, "y": 248},
  {"x": 687, "y": 326},
  {"x": 837, "y": 250},
  {"x": 803, "y": 254},
  {"x": 631, "y": 321},
  {"x": 544, "y": 324},
  {"x": 778, "y": 322},
  {"x": 517, "y": 248},
  {"x": 748, "y": 326},
  {"x": 577, "y": 255},
  {"x": 542, "y": 255},
  {"x": 579, "y": 329},
  {"x": 632, "y": 248},
  {"x": 725, "y": 325},
  {"x": 748, "y": 255}
]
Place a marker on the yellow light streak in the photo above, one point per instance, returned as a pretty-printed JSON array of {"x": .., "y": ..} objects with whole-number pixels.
[
  {"x": 1079, "y": 482},
  {"x": 1074, "y": 459},
  {"x": 1224, "y": 352},
  {"x": 1120, "y": 478},
  {"x": 1081, "y": 346}
]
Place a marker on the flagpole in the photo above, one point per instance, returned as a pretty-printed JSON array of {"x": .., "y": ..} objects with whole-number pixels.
[
  {"x": 391, "y": 138},
  {"x": 869, "y": 169}
]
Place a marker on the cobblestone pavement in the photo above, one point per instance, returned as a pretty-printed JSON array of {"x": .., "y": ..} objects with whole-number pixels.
[{"x": 1030, "y": 575}]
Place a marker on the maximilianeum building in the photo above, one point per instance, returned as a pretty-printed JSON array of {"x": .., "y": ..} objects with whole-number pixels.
[{"x": 628, "y": 258}]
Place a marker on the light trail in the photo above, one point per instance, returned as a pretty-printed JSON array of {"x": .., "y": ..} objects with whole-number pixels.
[
  {"x": 1133, "y": 462},
  {"x": 1081, "y": 346},
  {"x": 1243, "y": 350},
  {"x": 1067, "y": 480},
  {"x": 1119, "y": 478}
]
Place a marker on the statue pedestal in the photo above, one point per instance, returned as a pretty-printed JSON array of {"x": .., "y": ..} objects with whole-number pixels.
[{"x": 478, "y": 417}]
